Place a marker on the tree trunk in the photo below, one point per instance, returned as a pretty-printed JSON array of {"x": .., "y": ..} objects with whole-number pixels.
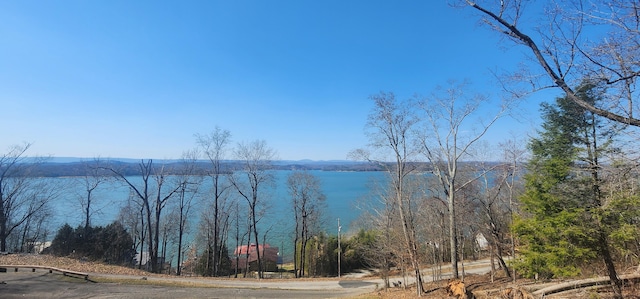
[
  {"x": 493, "y": 265},
  {"x": 156, "y": 241},
  {"x": 224, "y": 234},
  {"x": 87, "y": 211},
  {"x": 236, "y": 253},
  {"x": 256, "y": 238},
  {"x": 305, "y": 239},
  {"x": 246, "y": 267},
  {"x": 180, "y": 233},
  {"x": 616, "y": 283},
  {"x": 216, "y": 228},
  {"x": 498, "y": 254},
  {"x": 150, "y": 238},
  {"x": 142, "y": 236},
  {"x": 3, "y": 228},
  {"x": 23, "y": 247},
  {"x": 409, "y": 235},
  {"x": 453, "y": 240},
  {"x": 295, "y": 254}
]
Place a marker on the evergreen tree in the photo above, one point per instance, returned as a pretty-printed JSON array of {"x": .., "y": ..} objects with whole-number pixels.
[
  {"x": 117, "y": 244},
  {"x": 205, "y": 265},
  {"x": 64, "y": 242},
  {"x": 561, "y": 229},
  {"x": 111, "y": 244}
]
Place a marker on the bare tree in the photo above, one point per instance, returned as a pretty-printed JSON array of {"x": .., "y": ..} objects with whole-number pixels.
[
  {"x": 391, "y": 123},
  {"x": 169, "y": 232},
  {"x": 445, "y": 144},
  {"x": 494, "y": 211},
  {"x": 214, "y": 147},
  {"x": 576, "y": 41},
  {"x": 21, "y": 195},
  {"x": 308, "y": 202},
  {"x": 131, "y": 217},
  {"x": 93, "y": 176},
  {"x": 35, "y": 229},
  {"x": 433, "y": 212},
  {"x": 161, "y": 198},
  {"x": 255, "y": 158},
  {"x": 239, "y": 234},
  {"x": 188, "y": 181},
  {"x": 379, "y": 218},
  {"x": 207, "y": 230},
  {"x": 153, "y": 200},
  {"x": 513, "y": 156},
  {"x": 468, "y": 226}
]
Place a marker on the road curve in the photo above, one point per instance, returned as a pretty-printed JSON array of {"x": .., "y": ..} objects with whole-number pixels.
[{"x": 42, "y": 284}]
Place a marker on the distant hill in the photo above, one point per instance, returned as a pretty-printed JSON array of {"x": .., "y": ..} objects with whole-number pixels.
[{"x": 61, "y": 167}]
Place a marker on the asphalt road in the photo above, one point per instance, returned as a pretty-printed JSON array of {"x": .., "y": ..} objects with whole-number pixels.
[{"x": 42, "y": 284}]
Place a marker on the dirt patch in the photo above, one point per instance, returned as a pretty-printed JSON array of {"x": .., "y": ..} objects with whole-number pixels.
[
  {"x": 502, "y": 288},
  {"x": 456, "y": 288}
]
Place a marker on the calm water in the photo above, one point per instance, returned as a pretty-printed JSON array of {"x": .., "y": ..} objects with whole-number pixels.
[{"x": 343, "y": 190}]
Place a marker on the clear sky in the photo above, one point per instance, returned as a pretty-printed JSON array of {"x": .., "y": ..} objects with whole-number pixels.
[{"x": 137, "y": 79}]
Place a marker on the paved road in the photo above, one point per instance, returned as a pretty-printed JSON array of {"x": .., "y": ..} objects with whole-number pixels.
[{"x": 42, "y": 284}]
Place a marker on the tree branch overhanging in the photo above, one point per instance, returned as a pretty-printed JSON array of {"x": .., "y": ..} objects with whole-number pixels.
[{"x": 520, "y": 37}]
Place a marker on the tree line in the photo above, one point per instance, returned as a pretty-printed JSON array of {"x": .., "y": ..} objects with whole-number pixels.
[
  {"x": 230, "y": 200},
  {"x": 51, "y": 168}
]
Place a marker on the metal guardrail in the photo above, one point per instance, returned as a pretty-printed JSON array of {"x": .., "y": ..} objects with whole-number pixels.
[{"x": 33, "y": 268}]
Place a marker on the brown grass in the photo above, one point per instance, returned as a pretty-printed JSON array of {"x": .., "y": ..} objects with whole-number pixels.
[{"x": 67, "y": 264}]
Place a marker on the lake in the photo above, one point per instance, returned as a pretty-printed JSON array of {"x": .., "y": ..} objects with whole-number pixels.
[{"x": 343, "y": 190}]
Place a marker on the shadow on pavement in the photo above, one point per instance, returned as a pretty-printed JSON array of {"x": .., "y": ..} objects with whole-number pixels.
[{"x": 355, "y": 284}]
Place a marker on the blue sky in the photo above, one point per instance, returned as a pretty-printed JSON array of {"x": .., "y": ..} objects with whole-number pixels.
[{"x": 137, "y": 79}]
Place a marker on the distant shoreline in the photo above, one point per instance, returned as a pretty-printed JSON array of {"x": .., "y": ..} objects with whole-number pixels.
[
  {"x": 73, "y": 167},
  {"x": 129, "y": 167}
]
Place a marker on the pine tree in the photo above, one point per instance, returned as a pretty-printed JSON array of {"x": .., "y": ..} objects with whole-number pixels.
[{"x": 561, "y": 229}]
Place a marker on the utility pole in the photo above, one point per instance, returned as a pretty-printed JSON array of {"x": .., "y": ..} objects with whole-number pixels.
[
  {"x": 339, "y": 248},
  {"x": 281, "y": 255}
]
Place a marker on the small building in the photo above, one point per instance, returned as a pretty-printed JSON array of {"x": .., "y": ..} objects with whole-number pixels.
[
  {"x": 144, "y": 259},
  {"x": 39, "y": 247},
  {"x": 248, "y": 256},
  {"x": 482, "y": 242}
]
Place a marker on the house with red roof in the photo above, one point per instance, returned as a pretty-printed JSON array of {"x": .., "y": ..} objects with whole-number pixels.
[{"x": 247, "y": 256}]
